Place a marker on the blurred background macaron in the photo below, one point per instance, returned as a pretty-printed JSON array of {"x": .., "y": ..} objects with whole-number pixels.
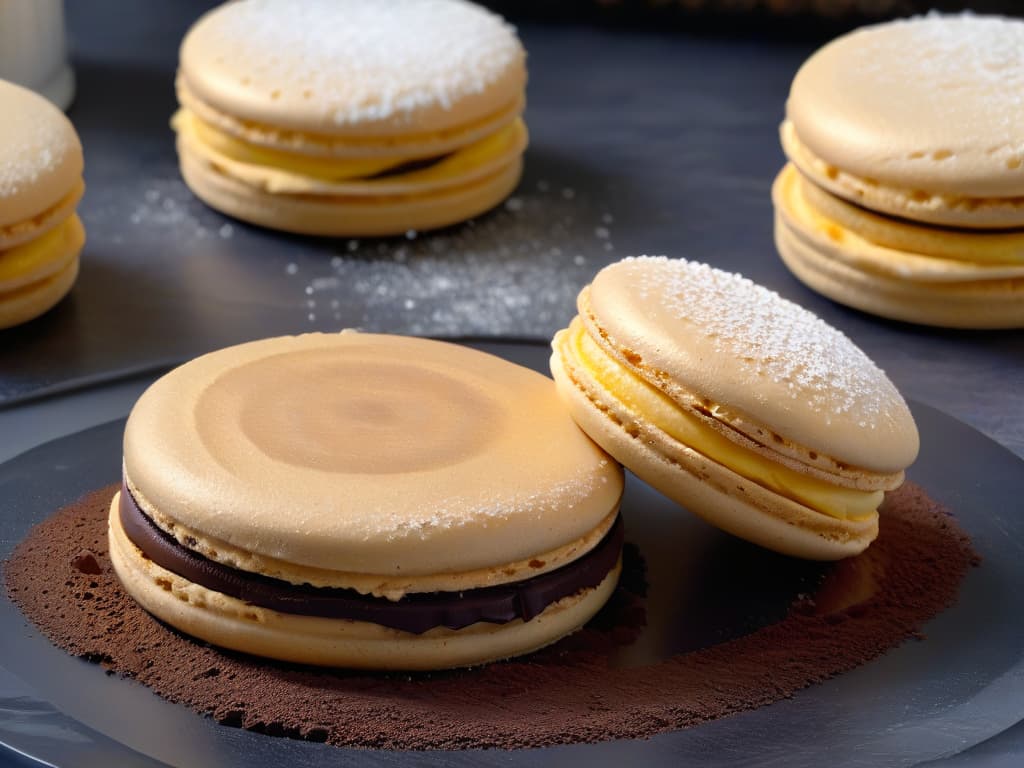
[
  {"x": 904, "y": 192},
  {"x": 41, "y": 236},
  {"x": 351, "y": 117},
  {"x": 739, "y": 405}
]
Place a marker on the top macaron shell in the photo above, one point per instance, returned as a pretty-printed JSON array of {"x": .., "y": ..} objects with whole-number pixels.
[
  {"x": 368, "y": 453},
  {"x": 40, "y": 155},
  {"x": 349, "y": 67},
  {"x": 930, "y": 103},
  {"x": 755, "y": 355}
]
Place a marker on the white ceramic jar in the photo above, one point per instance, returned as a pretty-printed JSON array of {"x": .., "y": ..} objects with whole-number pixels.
[{"x": 33, "y": 52}]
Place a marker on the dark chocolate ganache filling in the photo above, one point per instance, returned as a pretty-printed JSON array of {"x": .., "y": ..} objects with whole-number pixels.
[{"x": 414, "y": 613}]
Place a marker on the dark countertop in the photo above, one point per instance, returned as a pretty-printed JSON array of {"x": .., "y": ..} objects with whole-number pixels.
[{"x": 641, "y": 142}]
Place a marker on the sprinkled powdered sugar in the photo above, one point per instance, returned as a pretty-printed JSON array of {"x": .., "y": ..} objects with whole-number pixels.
[
  {"x": 167, "y": 204},
  {"x": 513, "y": 272},
  {"x": 361, "y": 60},
  {"x": 35, "y": 140},
  {"x": 767, "y": 337},
  {"x": 965, "y": 50},
  {"x": 463, "y": 512},
  {"x": 929, "y": 104},
  {"x": 966, "y": 58}
]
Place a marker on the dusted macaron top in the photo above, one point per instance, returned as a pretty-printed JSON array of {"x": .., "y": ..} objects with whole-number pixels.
[
  {"x": 752, "y": 355},
  {"x": 350, "y": 66},
  {"x": 40, "y": 155},
  {"x": 367, "y": 453},
  {"x": 929, "y": 103}
]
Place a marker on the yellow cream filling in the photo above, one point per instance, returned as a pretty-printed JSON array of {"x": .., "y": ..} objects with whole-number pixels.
[
  {"x": 35, "y": 255},
  {"x": 347, "y": 169},
  {"x": 840, "y": 219},
  {"x": 473, "y": 156},
  {"x": 642, "y": 398}
]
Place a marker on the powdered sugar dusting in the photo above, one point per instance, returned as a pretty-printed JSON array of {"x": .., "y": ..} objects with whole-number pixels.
[
  {"x": 767, "y": 338},
  {"x": 169, "y": 205},
  {"x": 532, "y": 504},
  {"x": 929, "y": 104},
  {"x": 966, "y": 49},
  {"x": 958, "y": 57},
  {"x": 35, "y": 140},
  {"x": 519, "y": 267},
  {"x": 361, "y": 60}
]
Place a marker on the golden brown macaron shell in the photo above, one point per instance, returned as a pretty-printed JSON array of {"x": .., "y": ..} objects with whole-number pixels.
[
  {"x": 381, "y": 464},
  {"x": 354, "y": 67}
]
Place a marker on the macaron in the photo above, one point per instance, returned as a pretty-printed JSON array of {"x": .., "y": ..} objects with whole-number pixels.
[
  {"x": 351, "y": 117},
  {"x": 41, "y": 236},
  {"x": 904, "y": 191},
  {"x": 741, "y": 406},
  {"x": 365, "y": 501}
]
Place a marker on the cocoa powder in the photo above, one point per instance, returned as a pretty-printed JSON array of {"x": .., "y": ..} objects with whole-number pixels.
[{"x": 60, "y": 577}]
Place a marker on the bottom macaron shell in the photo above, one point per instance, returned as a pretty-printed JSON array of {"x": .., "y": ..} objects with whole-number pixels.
[
  {"x": 312, "y": 215},
  {"x": 236, "y": 625},
  {"x": 33, "y": 300},
  {"x": 989, "y": 304},
  {"x": 710, "y": 490}
]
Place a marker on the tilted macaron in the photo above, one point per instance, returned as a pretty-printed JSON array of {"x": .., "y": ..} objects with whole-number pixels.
[
  {"x": 741, "y": 406},
  {"x": 366, "y": 501},
  {"x": 351, "y": 117},
  {"x": 904, "y": 194},
  {"x": 41, "y": 236}
]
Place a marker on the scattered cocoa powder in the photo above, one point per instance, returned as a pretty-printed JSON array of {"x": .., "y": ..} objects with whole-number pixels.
[{"x": 564, "y": 694}]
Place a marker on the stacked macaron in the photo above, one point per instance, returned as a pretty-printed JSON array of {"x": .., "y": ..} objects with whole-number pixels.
[
  {"x": 364, "y": 501},
  {"x": 41, "y": 237},
  {"x": 904, "y": 194},
  {"x": 741, "y": 406},
  {"x": 351, "y": 117}
]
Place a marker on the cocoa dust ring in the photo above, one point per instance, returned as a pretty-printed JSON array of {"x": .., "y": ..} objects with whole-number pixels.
[{"x": 564, "y": 694}]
